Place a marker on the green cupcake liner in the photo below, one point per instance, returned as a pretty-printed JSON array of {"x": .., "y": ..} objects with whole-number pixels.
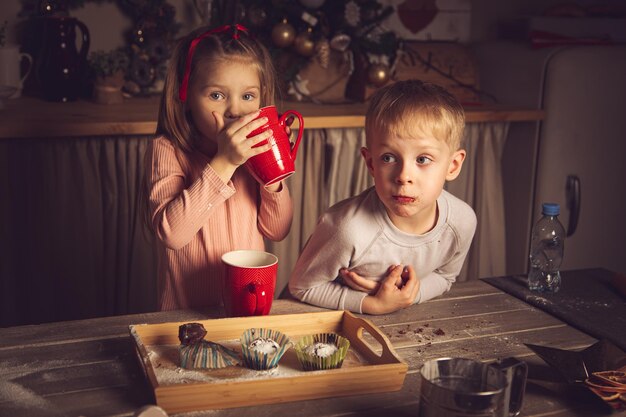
[
  {"x": 258, "y": 360},
  {"x": 314, "y": 363}
]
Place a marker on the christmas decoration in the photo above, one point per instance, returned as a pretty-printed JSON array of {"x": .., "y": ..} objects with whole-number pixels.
[
  {"x": 304, "y": 32},
  {"x": 378, "y": 74},
  {"x": 283, "y": 34},
  {"x": 322, "y": 51},
  {"x": 303, "y": 44},
  {"x": 415, "y": 15},
  {"x": 340, "y": 42},
  {"x": 256, "y": 17}
]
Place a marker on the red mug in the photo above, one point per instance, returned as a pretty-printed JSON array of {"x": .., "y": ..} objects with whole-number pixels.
[
  {"x": 249, "y": 282},
  {"x": 277, "y": 163}
]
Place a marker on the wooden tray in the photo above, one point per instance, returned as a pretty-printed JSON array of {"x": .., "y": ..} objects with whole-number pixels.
[{"x": 182, "y": 390}]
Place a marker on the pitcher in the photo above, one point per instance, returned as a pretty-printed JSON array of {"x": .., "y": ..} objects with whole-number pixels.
[
  {"x": 12, "y": 73},
  {"x": 61, "y": 66},
  {"x": 458, "y": 387}
]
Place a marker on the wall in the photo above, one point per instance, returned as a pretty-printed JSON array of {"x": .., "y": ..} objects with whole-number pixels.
[{"x": 463, "y": 20}]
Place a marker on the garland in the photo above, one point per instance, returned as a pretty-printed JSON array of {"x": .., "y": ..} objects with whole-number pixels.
[{"x": 297, "y": 32}]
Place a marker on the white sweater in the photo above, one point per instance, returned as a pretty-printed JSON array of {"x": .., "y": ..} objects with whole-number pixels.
[{"x": 357, "y": 234}]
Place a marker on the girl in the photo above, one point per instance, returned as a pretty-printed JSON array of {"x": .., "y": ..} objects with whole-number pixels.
[{"x": 201, "y": 204}]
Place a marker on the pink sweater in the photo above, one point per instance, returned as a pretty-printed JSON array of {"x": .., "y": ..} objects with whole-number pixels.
[{"x": 197, "y": 218}]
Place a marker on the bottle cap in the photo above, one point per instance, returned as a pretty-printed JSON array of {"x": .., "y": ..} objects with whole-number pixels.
[{"x": 551, "y": 209}]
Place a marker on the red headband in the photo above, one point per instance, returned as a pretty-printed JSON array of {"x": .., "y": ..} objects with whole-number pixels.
[{"x": 182, "y": 92}]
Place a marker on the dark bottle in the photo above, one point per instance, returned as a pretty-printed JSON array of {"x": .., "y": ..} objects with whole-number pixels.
[{"x": 61, "y": 67}]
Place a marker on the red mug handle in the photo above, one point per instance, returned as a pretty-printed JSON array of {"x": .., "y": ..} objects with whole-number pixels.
[
  {"x": 281, "y": 121},
  {"x": 260, "y": 299}
]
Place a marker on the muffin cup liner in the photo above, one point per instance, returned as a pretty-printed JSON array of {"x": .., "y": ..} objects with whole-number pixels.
[
  {"x": 312, "y": 362},
  {"x": 258, "y": 360},
  {"x": 207, "y": 355}
]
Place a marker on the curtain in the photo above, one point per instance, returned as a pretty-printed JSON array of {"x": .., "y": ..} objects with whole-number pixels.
[
  {"x": 73, "y": 236},
  {"x": 480, "y": 185},
  {"x": 75, "y": 244}
]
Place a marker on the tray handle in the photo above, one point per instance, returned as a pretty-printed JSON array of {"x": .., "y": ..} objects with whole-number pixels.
[{"x": 353, "y": 327}]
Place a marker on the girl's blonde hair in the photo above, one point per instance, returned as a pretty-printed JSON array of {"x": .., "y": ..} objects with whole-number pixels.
[
  {"x": 174, "y": 121},
  {"x": 411, "y": 107}
]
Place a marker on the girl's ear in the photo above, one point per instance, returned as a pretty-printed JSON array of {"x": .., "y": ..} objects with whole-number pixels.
[
  {"x": 367, "y": 157},
  {"x": 454, "y": 169}
]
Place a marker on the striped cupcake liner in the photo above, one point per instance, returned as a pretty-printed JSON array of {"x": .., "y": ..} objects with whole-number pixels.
[
  {"x": 311, "y": 362},
  {"x": 260, "y": 361},
  {"x": 208, "y": 355}
]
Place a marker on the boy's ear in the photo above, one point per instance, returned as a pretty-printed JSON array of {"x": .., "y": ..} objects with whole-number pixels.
[
  {"x": 367, "y": 157},
  {"x": 454, "y": 169}
]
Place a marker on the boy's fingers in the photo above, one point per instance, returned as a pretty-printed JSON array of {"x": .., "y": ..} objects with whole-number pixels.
[
  {"x": 347, "y": 279},
  {"x": 408, "y": 276},
  {"x": 395, "y": 271},
  {"x": 393, "y": 276},
  {"x": 411, "y": 283},
  {"x": 357, "y": 282},
  {"x": 361, "y": 282}
]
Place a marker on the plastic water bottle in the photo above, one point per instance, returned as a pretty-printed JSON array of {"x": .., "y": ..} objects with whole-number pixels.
[{"x": 546, "y": 251}]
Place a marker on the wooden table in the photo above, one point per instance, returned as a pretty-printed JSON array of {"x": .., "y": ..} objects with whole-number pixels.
[{"x": 89, "y": 367}]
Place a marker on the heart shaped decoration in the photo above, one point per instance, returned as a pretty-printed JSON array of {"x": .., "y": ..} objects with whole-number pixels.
[{"x": 415, "y": 15}]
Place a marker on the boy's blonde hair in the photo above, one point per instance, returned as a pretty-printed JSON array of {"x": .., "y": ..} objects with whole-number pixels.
[
  {"x": 174, "y": 121},
  {"x": 412, "y": 107}
]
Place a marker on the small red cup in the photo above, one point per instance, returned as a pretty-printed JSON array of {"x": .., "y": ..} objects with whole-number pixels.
[
  {"x": 277, "y": 163},
  {"x": 249, "y": 282}
]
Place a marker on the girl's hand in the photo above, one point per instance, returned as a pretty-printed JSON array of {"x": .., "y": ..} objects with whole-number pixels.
[
  {"x": 234, "y": 147},
  {"x": 233, "y": 144},
  {"x": 391, "y": 297},
  {"x": 288, "y": 122}
]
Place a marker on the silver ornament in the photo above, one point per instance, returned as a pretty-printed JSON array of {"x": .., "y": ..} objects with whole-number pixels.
[{"x": 340, "y": 42}]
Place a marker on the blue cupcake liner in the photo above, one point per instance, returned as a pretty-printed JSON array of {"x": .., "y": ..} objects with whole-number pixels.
[
  {"x": 207, "y": 355},
  {"x": 258, "y": 360}
]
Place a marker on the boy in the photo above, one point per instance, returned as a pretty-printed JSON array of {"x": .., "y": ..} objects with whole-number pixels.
[{"x": 404, "y": 240}]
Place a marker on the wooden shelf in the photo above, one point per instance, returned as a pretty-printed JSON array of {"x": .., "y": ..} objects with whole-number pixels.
[{"x": 32, "y": 117}]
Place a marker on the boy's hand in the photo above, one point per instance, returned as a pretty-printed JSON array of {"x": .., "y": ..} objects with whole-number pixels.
[
  {"x": 359, "y": 283},
  {"x": 363, "y": 284},
  {"x": 390, "y": 297}
]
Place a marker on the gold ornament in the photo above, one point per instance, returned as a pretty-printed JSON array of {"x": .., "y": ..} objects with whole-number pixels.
[
  {"x": 283, "y": 34},
  {"x": 303, "y": 44},
  {"x": 378, "y": 74}
]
